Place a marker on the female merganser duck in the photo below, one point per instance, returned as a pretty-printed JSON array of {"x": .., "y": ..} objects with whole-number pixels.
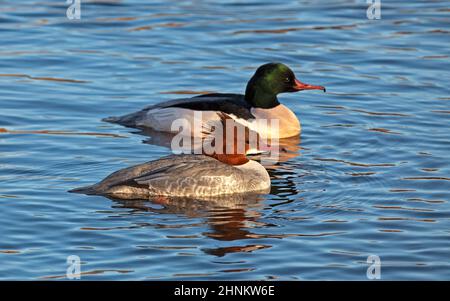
[
  {"x": 259, "y": 102},
  {"x": 195, "y": 176}
]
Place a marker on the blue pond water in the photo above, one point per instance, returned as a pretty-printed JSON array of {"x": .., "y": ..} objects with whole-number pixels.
[{"x": 369, "y": 176}]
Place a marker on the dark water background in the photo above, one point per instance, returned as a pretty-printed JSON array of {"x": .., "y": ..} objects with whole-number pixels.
[{"x": 371, "y": 174}]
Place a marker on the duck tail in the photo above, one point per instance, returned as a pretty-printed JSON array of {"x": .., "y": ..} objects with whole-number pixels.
[
  {"x": 112, "y": 119},
  {"x": 129, "y": 120},
  {"x": 85, "y": 190}
]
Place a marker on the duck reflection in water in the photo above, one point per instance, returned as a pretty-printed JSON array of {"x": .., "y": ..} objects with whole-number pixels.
[
  {"x": 288, "y": 148},
  {"x": 229, "y": 218}
]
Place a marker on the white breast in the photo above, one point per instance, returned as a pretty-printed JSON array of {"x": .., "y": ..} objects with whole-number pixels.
[{"x": 288, "y": 123}]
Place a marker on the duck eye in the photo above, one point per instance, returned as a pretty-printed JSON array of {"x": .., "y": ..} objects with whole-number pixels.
[{"x": 287, "y": 80}]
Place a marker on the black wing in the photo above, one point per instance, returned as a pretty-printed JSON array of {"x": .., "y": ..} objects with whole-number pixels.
[{"x": 228, "y": 103}]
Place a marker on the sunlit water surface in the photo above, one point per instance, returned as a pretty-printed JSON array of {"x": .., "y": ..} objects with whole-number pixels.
[{"x": 370, "y": 176}]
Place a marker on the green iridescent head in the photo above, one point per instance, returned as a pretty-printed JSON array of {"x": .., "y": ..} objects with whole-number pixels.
[{"x": 270, "y": 80}]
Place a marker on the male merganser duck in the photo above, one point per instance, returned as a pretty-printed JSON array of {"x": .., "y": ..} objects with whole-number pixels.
[
  {"x": 190, "y": 175},
  {"x": 259, "y": 102}
]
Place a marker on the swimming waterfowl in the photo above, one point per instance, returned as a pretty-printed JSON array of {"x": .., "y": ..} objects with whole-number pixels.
[
  {"x": 223, "y": 172},
  {"x": 259, "y": 102}
]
